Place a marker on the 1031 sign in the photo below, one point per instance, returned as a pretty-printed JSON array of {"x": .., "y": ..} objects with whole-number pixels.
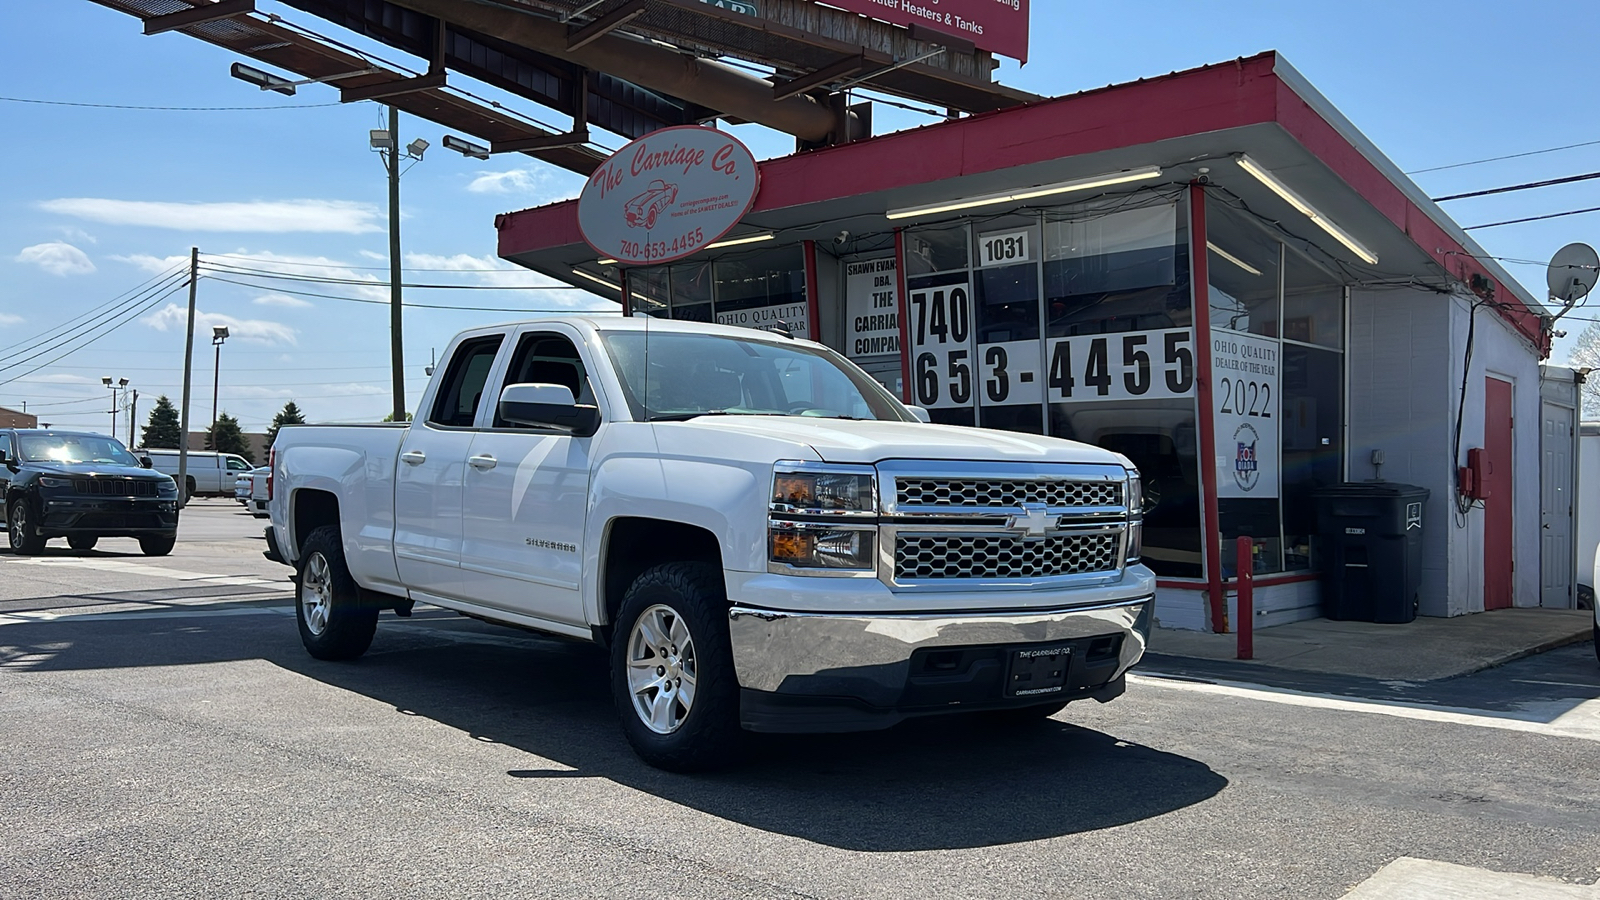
[{"x": 1138, "y": 365}]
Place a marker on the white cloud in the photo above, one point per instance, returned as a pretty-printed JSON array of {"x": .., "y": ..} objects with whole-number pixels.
[
  {"x": 57, "y": 258},
  {"x": 279, "y": 216},
  {"x": 511, "y": 181},
  {"x": 73, "y": 233},
  {"x": 153, "y": 264},
  {"x": 63, "y": 378},
  {"x": 492, "y": 271},
  {"x": 370, "y": 255},
  {"x": 9, "y": 319},
  {"x": 282, "y": 300},
  {"x": 256, "y": 331}
]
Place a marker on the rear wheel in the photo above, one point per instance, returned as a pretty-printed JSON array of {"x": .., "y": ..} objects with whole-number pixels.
[
  {"x": 157, "y": 545},
  {"x": 672, "y": 675},
  {"x": 334, "y": 624},
  {"x": 22, "y": 534},
  {"x": 83, "y": 542}
]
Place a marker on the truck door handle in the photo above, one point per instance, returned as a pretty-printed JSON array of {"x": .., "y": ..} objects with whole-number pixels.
[
  {"x": 482, "y": 462},
  {"x": 414, "y": 457}
]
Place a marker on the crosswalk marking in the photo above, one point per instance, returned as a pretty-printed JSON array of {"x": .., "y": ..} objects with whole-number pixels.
[
  {"x": 1573, "y": 718},
  {"x": 1424, "y": 879},
  {"x": 134, "y": 568}
]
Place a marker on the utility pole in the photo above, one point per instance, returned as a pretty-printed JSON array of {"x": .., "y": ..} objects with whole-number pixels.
[
  {"x": 396, "y": 353},
  {"x": 188, "y": 372},
  {"x": 133, "y": 414}
]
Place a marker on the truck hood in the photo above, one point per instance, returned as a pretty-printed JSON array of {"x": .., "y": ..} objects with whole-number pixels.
[{"x": 847, "y": 441}]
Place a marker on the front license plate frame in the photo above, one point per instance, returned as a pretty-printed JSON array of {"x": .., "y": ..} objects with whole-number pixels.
[{"x": 1038, "y": 671}]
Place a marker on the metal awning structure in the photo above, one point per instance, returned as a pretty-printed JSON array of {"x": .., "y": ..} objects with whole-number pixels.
[
  {"x": 234, "y": 26},
  {"x": 625, "y": 66}
]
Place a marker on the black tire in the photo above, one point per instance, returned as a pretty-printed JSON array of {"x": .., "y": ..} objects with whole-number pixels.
[
  {"x": 83, "y": 543},
  {"x": 157, "y": 544},
  {"x": 1597, "y": 641},
  {"x": 334, "y": 623},
  {"x": 1022, "y": 716},
  {"x": 190, "y": 488},
  {"x": 21, "y": 533},
  {"x": 707, "y": 736}
]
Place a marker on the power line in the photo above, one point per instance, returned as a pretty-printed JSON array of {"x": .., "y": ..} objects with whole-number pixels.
[
  {"x": 1491, "y": 159},
  {"x": 1588, "y": 176},
  {"x": 166, "y": 108},
  {"x": 127, "y": 317},
  {"x": 33, "y": 340},
  {"x": 359, "y": 282},
  {"x": 69, "y": 334},
  {"x": 522, "y": 309},
  {"x": 285, "y": 262},
  {"x": 1570, "y": 212}
]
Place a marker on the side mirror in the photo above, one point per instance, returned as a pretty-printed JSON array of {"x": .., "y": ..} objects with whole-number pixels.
[
  {"x": 147, "y": 462},
  {"x": 548, "y": 406},
  {"x": 921, "y": 414}
]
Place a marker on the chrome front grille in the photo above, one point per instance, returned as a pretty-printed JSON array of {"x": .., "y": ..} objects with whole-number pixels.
[
  {"x": 953, "y": 556},
  {"x": 115, "y": 487},
  {"x": 1005, "y": 493}
]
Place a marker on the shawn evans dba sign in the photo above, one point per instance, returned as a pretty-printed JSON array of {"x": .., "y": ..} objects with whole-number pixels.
[{"x": 667, "y": 195}]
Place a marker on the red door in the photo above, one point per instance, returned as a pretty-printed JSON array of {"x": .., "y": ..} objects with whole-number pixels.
[{"x": 1497, "y": 441}]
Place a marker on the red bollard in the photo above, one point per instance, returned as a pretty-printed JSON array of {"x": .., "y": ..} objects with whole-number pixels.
[{"x": 1244, "y": 573}]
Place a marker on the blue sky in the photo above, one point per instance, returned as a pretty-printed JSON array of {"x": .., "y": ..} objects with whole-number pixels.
[{"x": 96, "y": 201}]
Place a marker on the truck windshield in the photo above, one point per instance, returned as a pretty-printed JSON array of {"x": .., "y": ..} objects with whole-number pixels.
[
  {"x": 676, "y": 376},
  {"x": 75, "y": 448}
]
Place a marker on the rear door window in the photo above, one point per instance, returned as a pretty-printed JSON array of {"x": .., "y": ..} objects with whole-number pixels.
[{"x": 456, "y": 405}]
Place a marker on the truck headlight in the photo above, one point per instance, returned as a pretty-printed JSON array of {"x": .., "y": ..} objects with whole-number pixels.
[
  {"x": 823, "y": 519},
  {"x": 50, "y": 481},
  {"x": 1135, "y": 517},
  {"x": 800, "y": 489},
  {"x": 800, "y": 547}
]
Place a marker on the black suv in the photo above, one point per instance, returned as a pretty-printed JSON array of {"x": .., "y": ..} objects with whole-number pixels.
[{"x": 82, "y": 487}]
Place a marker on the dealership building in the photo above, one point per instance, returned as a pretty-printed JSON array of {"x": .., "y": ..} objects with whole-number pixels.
[{"x": 1212, "y": 272}]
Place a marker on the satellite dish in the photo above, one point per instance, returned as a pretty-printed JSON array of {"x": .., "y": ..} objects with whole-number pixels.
[{"x": 1572, "y": 273}]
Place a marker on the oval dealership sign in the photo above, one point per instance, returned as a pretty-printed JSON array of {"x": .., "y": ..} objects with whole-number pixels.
[{"x": 667, "y": 195}]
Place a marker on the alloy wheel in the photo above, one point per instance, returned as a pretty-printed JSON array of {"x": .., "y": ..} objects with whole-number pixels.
[
  {"x": 661, "y": 669},
  {"x": 316, "y": 594}
]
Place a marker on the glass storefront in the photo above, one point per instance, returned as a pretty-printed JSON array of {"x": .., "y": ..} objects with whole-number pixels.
[{"x": 1078, "y": 322}]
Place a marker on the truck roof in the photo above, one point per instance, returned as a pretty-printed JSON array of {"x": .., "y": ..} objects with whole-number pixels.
[{"x": 613, "y": 323}]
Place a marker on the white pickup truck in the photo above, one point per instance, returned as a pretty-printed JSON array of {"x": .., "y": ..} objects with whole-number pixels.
[{"x": 762, "y": 536}]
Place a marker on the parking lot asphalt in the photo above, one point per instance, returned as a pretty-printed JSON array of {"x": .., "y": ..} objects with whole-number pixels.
[{"x": 166, "y": 735}]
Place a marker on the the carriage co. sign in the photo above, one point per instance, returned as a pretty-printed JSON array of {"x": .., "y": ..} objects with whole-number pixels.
[{"x": 667, "y": 195}]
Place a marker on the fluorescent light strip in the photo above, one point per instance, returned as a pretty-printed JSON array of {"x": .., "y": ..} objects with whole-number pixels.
[
  {"x": 1082, "y": 184},
  {"x": 730, "y": 242},
  {"x": 596, "y": 279},
  {"x": 1233, "y": 259},
  {"x": 1306, "y": 209}
]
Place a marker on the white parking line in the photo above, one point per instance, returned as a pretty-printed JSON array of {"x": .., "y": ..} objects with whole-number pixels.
[
  {"x": 133, "y": 568},
  {"x": 1574, "y": 718},
  {"x": 122, "y": 615}
]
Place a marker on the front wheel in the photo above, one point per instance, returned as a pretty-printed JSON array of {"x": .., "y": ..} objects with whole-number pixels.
[
  {"x": 672, "y": 675},
  {"x": 334, "y": 624},
  {"x": 22, "y": 534},
  {"x": 157, "y": 545},
  {"x": 83, "y": 542}
]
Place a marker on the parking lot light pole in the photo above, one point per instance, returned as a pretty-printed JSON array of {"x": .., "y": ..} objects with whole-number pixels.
[
  {"x": 120, "y": 384},
  {"x": 219, "y": 334}
]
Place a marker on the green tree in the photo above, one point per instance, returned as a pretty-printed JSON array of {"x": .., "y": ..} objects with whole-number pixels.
[
  {"x": 227, "y": 437},
  {"x": 289, "y": 415},
  {"x": 162, "y": 430},
  {"x": 390, "y": 417}
]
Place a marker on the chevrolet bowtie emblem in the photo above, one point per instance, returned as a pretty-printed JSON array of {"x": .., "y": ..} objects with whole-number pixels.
[{"x": 1035, "y": 521}]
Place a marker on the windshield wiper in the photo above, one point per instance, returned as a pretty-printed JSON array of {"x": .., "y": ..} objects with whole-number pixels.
[{"x": 684, "y": 417}]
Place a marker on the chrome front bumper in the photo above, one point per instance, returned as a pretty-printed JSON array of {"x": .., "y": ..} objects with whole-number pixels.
[{"x": 869, "y": 658}]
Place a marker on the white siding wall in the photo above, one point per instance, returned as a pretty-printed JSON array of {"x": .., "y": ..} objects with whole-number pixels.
[
  {"x": 1400, "y": 370},
  {"x": 1501, "y": 352}
]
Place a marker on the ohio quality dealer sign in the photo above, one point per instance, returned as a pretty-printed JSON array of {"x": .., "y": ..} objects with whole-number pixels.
[{"x": 667, "y": 195}]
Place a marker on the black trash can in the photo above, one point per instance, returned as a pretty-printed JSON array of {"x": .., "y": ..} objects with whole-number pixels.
[{"x": 1370, "y": 537}]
